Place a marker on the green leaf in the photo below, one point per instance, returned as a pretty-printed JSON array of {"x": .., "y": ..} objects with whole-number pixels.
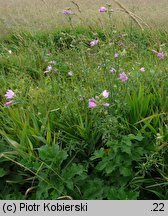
[
  {"x": 102, "y": 164},
  {"x": 131, "y": 136},
  {"x": 98, "y": 154},
  {"x": 9, "y": 140},
  {"x": 40, "y": 138},
  {"x": 94, "y": 189},
  {"x": 52, "y": 154},
  {"x": 110, "y": 168},
  {"x": 2, "y": 172},
  {"x": 125, "y": 171},
  {"x": 43, "y": 190},
  {"x": 74, "y": 169},
  {"x": 121, "y": 194},
  {"x": 139, "y": 137},
  {"x": 126, "y": 149}
]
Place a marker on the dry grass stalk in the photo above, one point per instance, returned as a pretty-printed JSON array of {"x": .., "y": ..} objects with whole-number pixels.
[
  {"x": 77, "y": 6},
  {"x": 133, "y": 16}
]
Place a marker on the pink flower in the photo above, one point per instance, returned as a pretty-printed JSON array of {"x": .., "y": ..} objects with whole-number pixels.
[
  {"x": 112, "y": 70},
  {"x": 68, "y": 12},
  {"x": 160, "y": 55},
  {"x": 81, "y": 98},
  {"x": 105, "y": 94},
  {"x": 49, "y": 68},
  {"x": 92, "y": 103},
  {"x": 116, "y": 55},
  {"x": 142, "y": 69},
  {"x": 106, "y": 104},
  {"x": 8, "y": 103},
  {"x": 102, "y": 9},
  {"x": 123, "y": 76},
  {"x": 9, "y": 94},
  {"x": 94, "y": 42}
]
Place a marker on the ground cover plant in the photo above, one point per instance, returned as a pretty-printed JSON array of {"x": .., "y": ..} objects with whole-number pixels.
[{"x": 83, "y": 112}]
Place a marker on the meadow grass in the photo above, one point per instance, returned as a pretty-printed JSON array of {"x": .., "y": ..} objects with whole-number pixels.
[
  {"x": 42, "y": 15},
  {"x": 89, "y": 122}
]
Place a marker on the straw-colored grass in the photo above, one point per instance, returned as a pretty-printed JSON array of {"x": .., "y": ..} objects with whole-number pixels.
[{"x": 46, "y": 14}]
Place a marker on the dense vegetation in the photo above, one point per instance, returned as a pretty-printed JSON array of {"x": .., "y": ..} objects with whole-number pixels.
[{"x": 83, "y": 113}]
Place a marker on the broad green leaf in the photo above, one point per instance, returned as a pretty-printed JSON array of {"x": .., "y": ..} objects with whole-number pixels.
[{"x": 2, "y": 172}]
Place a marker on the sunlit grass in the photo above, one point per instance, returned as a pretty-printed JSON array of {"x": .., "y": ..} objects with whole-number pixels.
[
  {"x": 83, "y": 108},
  {"x": 47, "y": 14}
]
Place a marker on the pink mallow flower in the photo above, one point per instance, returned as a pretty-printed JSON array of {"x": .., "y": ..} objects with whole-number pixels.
[
  {"x": 160, "y": 55},
  {"x": 92, "y": 103},
  {"x": 94, "y": 42},
  {"x": 116, "y": 55},
  {"x": 123, "y": 76},
  {"x": 102, "y": 9},
  {"x": 106, "y": 104},
  {"x": 68, "y": 12},
  {"x": 142, "y": 69},
  {"x": 9, "y": 94},
  {"x": 81, "y": 98},
  {"x": 105, "y": 94},
  {"x": 8, "y": 103},
  {"x": 112, "y": 70},
  {"x": 49, "y": 68}
]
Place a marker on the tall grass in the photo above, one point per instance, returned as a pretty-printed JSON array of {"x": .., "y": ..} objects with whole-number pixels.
[
  {"x": 45, "y": 15},
  {"x": 54, "y": 144}
]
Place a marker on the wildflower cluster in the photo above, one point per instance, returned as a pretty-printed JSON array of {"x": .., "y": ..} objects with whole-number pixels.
[
  {"x": 50, "y": 68},
  {"x": 123, "y": 77},
  {"x": 9, "y": 95},
  {"x": 99, "y": 101},
  {"x": 94, "y": 42},
  {"x": 159, "y": 54}
]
